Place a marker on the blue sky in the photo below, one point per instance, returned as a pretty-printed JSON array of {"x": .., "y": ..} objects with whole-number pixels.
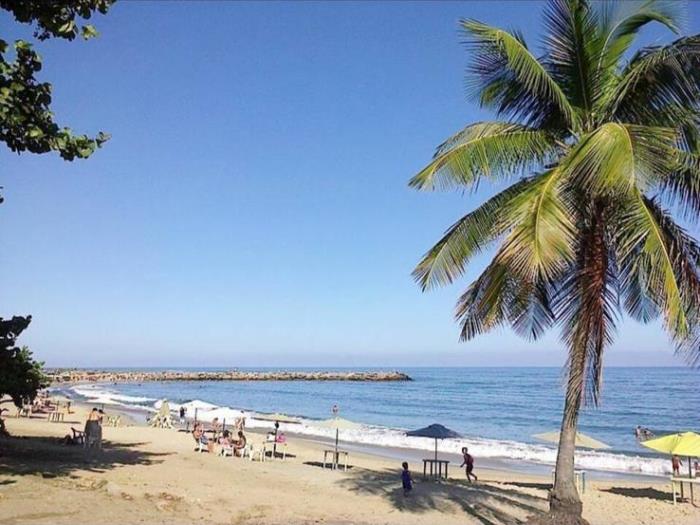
[{"x": 251, "y": 208}]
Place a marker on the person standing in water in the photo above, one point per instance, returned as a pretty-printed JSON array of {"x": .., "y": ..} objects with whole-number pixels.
[
  {"x": 469, "y": 463},
  {"x": 676, "y": 463}
]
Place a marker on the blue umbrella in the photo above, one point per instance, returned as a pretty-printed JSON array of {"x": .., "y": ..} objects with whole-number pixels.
[{"x": 435, "y": 431}]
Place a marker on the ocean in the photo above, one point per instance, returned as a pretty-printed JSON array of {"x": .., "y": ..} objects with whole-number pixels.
[{"x": 497, "y": 410}]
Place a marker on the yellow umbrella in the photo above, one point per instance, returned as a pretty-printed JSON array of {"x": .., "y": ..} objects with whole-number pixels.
[
  {"x": 681, "y": 444},
  {"x": 582, "y": 440}
]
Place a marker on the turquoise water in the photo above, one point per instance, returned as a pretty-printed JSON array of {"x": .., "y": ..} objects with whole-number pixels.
[{"x": 498, "y": 409}]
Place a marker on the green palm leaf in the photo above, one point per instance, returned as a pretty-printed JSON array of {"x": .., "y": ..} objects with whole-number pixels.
[
  {"x": 657, "y": 81},
  {"x": 640, "y": 235},
  {"x": 541, "y": 243},
  {"x": 622, "y": 158},
  {"x": 485, "y": 149},
  {"x": 509, "y": 77},
  {"x": 620, "y": 26},
  {"x": 447, "y": 260}
]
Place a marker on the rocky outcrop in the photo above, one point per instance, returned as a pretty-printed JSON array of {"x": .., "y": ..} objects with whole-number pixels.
[{"x": 106, "y": 376}]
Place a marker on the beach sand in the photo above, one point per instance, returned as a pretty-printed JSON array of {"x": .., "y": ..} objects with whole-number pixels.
[{"x": 147, "y": 475}]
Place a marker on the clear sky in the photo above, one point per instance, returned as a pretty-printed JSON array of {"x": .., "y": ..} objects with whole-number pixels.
[{"x": 252, "y": 207}]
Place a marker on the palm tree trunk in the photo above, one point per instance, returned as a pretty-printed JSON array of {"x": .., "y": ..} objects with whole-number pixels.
[{"x": 564, "y": 498}]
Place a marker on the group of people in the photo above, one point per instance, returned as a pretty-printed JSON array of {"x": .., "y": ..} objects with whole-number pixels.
[
  {"x": 467, "y": 463},
  {"x": 224, "y": 439},
  {"x": 643, "y": 433}
]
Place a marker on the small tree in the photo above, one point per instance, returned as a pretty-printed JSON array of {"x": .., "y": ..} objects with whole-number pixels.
[{"x": 20, "y": 375}]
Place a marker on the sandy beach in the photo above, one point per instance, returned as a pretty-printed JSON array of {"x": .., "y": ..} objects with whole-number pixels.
[{"x": 147, "y": 475}]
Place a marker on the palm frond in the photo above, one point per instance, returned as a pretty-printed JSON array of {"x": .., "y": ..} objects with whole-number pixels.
[
  {"x": 572, "y": 44},
  {"x": 642, "y": 236},
  {"x": 657, "y": 80},
  {"x": 530, "y": 312},
  {"x": 482, "y": 306},
  {"x": 622, "y": 158},
  {"x": 541, "y": 242},
  {"x": 485, "y": 149},
  {"x": 447, "y": 260},
  {"x": 621, "y": 25},
  {"x": 682, "y": 188},
  {"x": 508, "y": 77}
]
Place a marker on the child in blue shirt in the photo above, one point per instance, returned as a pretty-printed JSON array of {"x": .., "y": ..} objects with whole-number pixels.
[{"x": 406, "y": 480}]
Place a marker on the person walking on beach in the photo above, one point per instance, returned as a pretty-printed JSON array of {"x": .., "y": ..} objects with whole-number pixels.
[
  {"x": 183, "y": 410},
  {"x": 469, "y": 463},
  {"x": 676, "y": 463},
  {"x": 406, "y": 480},
  {"x": 93, "y": 431}
]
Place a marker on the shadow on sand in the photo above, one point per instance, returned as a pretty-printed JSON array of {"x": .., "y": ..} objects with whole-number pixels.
[
  {"x": 49, "y": 457},
  {"x": 327, "y": 466},
  {"x": 487, "y": 502},
  {"x": 646, "y": 492}
]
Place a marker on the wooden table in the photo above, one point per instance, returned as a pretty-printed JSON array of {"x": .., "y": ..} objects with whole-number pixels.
[
  {"x": 579, "y": 480},
  {"x": 335, "y": 458},
  {"x": 679, "y": 480},
  {"x": 273, "y": 447},
  {"x": 435, "y": 468}
]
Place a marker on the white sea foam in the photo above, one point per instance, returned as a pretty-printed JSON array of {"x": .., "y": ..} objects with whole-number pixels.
[
  {"x": 100, "y": 395},
  {"x": 395, "y": 438}
]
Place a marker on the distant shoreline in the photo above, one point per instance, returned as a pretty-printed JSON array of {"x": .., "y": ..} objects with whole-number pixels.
[{"x": 62, "y": 376}]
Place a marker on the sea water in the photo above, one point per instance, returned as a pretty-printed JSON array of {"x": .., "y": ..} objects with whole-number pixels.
[{"x": 497, "y": 410}]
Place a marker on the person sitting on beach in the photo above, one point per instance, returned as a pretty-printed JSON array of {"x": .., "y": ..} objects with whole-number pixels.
[
  {"x": 201, "y": 438},
  {"x": 406, "y": 480},
  {"x": 240, "y": 443},
  {"x": 225, "y": 439},
  {"x": 281, "y": 438},
  {"x": 469, "y": 462},
  {"x": 676, "y": 463}
]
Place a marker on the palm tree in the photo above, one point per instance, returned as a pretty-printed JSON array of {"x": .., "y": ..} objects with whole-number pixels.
[{"x": 598, "y": 146}]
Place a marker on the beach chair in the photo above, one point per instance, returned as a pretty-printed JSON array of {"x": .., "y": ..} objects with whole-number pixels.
[
  {"x": 200, "y": 446},
  {"x": 226, "y": 450},
  {"x": 251, "y": 452}
]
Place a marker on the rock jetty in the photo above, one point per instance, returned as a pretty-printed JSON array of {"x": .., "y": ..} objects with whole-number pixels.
[{"x": 106, "y": 376}]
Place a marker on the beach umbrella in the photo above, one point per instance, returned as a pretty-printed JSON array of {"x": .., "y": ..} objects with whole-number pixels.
[
  {"x": 338, "y": 423},
  {"x": 277, "y": 417},
  {"x": 679, "y": 444},
  {"x": 435, "y": 431},
  {"x": 582, "y": 440}
]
